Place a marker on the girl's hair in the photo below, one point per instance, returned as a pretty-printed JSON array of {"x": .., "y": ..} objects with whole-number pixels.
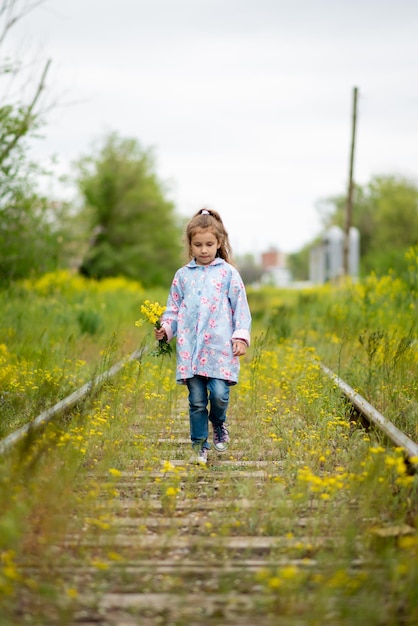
[{"x": 206, "y": 219}]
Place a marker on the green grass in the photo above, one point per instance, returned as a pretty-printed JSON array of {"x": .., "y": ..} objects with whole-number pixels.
[
  {"x": 365, "y": 332},
  {"x": 327, "y": 481},
  {"x": 326, "y": 476}
]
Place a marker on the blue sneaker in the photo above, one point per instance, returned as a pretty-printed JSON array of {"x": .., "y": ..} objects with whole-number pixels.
[
  {"x": 200, "y": 456},
  {"x": 221, "y": 437}
]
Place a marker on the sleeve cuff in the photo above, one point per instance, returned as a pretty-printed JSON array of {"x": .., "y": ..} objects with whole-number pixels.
[{"x": 241, "y": 335}]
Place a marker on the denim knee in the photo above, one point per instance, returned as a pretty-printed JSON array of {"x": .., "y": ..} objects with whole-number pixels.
[
  {"x": 219, "y": 400},
  {"x": 198, "y": 397}
]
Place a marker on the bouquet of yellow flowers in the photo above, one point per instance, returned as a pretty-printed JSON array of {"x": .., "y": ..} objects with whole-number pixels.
[{"x": 152, "y": 312}]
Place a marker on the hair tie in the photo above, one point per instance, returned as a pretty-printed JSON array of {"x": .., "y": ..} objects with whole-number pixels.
[{"x": 204, "y": 212}]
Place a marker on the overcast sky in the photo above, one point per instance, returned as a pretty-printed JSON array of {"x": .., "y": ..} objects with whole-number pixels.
[{"x": 246, "y": 103}]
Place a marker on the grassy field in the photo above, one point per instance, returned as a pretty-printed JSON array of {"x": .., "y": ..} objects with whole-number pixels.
[
  {"x": 58, "y": 331},
  {"x": 343, "y": 506},
  {"x": 112, "y": 488},
  {"x": 366, "y": 332}
]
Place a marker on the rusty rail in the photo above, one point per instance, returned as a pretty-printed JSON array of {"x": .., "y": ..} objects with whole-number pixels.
[
  {"x": 393, "y": 433},
  {"x": 66, "y": 404}
]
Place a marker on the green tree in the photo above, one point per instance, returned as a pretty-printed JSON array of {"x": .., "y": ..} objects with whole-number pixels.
[
  {"x": 298, "y": 263},
  {"x": 134, "y": 230},
  {"x": 30, "y": 235},
  {"x": 29, "y": 231},
  {"x": 251, "y": 271},
  {"x": 395, "y": 203}
]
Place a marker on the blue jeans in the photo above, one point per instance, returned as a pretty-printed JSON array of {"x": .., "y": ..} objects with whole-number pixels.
[{"x": 199, "y": 387}]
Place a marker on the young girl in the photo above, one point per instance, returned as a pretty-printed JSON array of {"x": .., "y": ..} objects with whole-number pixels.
[{"x": 207, "y": 310}]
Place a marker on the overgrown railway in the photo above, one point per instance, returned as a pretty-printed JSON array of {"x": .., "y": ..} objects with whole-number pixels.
[{"x": 256, "y": 537}]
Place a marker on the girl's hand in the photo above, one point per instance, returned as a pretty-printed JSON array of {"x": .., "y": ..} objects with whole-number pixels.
[
  {"x": 160, "y": 333},
  {"x": 239, "y": 348}
]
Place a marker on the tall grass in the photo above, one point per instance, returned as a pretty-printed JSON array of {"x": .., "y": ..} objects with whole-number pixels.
[
  {"x": 366, "y": 332},
  {"x": 56, "y": 333},
  {"x": 339, "y": 500},
  {"x": 336, "y": 478}
]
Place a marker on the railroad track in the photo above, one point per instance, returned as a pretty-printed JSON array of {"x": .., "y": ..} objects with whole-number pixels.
[{"x": 254, "y": 538}]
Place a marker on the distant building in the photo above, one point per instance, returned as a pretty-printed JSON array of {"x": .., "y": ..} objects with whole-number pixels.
[
  {"x": 274, "y": 267},
  {"x": 272, "y": 258},
  {"x": 326, "y": 261}
]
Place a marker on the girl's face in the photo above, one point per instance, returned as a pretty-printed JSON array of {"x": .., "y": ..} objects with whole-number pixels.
[{"x": 204, "y": 245}]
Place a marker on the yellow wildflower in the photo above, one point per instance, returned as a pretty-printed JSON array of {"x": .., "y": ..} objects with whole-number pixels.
[{"x": 152, "y": 312}]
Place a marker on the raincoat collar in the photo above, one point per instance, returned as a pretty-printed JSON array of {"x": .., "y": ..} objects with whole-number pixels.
[{"x": 216, "y": 261}]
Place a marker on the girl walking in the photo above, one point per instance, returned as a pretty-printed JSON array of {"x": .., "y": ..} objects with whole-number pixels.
[{"x": 207, "y": 310}]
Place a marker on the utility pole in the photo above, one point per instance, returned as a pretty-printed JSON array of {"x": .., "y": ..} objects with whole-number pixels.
[{"x": 349, "y": 203}]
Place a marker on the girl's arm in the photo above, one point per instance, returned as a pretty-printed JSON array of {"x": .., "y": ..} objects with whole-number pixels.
[
  {"x": 241, "y": 315},
  {"x": 170, "y": 315}
]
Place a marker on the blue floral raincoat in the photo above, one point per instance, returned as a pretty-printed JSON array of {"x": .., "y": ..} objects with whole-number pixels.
[{"x": 206, "y": 310}]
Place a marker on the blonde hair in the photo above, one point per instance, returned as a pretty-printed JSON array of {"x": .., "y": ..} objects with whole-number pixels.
[{"x": 210, "y": 220}]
